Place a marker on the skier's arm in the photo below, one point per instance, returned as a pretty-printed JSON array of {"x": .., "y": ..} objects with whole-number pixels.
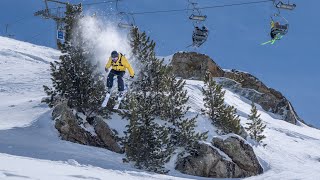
[
  {"x": 108, "y": 64},
  {"x": 127, "y": 65}
]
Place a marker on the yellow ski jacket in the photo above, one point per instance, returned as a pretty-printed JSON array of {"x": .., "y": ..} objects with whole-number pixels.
[
  {"x": 120, "y": 65},
  {"x": 272, "y": 24}
]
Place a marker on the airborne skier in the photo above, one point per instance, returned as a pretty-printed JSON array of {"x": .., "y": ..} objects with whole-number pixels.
[{"x": 118, "y": 63}]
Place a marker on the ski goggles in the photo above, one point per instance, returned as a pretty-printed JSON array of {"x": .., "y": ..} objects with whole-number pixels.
[{"x": 114, "y": 58}]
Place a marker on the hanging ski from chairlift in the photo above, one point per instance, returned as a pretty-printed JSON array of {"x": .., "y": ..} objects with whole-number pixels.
[
  {"x": 281, "y": 5},
  {"x": 200, "y": 32}
]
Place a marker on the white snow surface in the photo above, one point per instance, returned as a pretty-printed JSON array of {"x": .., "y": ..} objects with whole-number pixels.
[{"x": 30, "y": 147}]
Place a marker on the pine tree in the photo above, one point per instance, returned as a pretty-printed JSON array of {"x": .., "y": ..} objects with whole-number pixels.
[
  {"x": 142, "y": 46},
  {"x": 74, "y": 77},
  {"x": 147, "y": 142},
  {"x": 157, "y": 92},
  {"x": 174, "y": 110},
  {"x": 231, "y": 120},
  {"x": 222, "y": 116},
  {"x": 213, "y": 100},
  {"x": 256, "y": 127}
]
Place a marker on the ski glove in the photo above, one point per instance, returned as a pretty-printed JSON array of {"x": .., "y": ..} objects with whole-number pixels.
[
  {"x": 132, "y": 76},
  {"x": 106, "y": 69}
]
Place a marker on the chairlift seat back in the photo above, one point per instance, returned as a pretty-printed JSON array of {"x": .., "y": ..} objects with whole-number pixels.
[{"x": 281, "y": 27}]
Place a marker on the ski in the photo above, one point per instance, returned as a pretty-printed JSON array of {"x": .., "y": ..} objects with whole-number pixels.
[
  {"x": 118, "y": 102},
  {"x": 266, "y": 42},
  {"x": 272, "y": 41},
  {"x": 106, "y": 99}
]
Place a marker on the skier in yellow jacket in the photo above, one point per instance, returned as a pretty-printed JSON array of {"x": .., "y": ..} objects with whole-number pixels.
[{"x": 118, "y": 64}]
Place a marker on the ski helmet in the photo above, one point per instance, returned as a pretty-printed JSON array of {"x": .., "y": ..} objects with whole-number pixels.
[{"x": 114, "y": 54}]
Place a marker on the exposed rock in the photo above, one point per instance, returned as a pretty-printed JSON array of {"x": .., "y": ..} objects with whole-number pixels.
[
  {"x": 106, "y": 135},
  {"x": 70, "y": 129},
  {"x": 270, "y": 100},
  {"x": 194, "y": 66},
  {"x": 240, "y": 152},
  {"x": 58, "y": 109},
  {"x": 243, "y": 133},
  {"x": 208, "y": 162}
]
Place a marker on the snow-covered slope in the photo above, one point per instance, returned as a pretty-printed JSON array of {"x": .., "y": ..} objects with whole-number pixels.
[
  {"x": 24, "y": 68},
  {"x": 30, "y": 146},
  {"x": 292, "y": 152}
]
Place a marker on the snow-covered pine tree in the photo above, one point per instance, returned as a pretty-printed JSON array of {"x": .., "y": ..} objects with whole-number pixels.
[
  {"x": 147, "y": 142},
  {"x": 142, "y": 46},
  {"x": 256, "y": 127},
  {"x": 174, "y": 110},
  {"x": 222, "y": 116},
  {"x": 231, "y": 120},
  {"x": 213, "y": 100},
  {"x": 74, "y": 77}
]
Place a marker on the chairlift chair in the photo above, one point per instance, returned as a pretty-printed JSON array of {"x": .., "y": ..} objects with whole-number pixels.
[
  {"x": 281, "y": 29},
  {"x": 199, "y": 36},
  {"x": 282, "y": 5},
  {"x": 126, "y": 20}
]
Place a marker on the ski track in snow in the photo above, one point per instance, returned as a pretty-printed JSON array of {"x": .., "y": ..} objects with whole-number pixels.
[{"x": 31, "y": 149}]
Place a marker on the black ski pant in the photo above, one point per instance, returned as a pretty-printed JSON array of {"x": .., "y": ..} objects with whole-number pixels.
[{"x": 120, "y": 75}]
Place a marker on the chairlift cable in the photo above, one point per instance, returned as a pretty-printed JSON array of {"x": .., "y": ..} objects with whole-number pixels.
[{"x": 207, "y": 7}]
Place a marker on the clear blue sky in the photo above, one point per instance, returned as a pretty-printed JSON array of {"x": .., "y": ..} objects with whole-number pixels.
[{"x": 290, "y": 66}]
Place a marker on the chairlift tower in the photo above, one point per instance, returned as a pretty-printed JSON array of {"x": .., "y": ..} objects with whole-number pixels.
[
  {"x": 57, "y": 16},
  {"x": 7, "y": 33}
]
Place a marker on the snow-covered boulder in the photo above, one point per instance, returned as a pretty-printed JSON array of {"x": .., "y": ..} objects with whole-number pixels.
[
  {"x": 209, "y": 162},
  {"x": 73, "y": 129},
  {"x": 241, "y": 153}
]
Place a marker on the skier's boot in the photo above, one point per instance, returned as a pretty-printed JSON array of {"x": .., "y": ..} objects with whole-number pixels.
[
  {"x": 109, "y": 90},
  {"x": 121, "y": 93}
]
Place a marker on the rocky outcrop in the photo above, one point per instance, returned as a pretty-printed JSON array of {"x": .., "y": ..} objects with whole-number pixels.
[
  {"x": 231, "y": 161},
  {"x": 72, "y": 129},
  {"x": 270, "y": 100},
  {"x": 106, "y": 135},
  {"x": 240, "y": 152},
  {"x": 194, "y": 66}
]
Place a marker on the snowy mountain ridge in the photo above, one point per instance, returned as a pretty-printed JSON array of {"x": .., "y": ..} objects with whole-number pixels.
[{"x": 30, "y": 146}]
